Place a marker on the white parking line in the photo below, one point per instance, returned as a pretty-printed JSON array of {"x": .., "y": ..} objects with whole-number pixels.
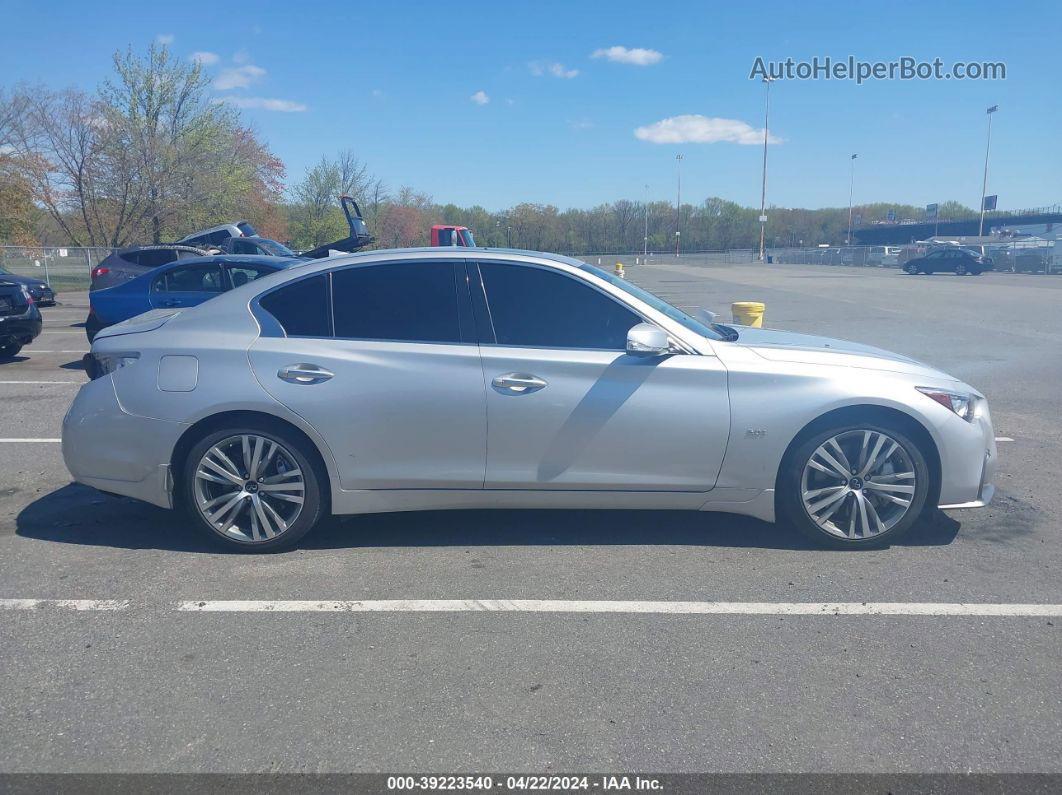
[
  {"x": 75, "y": 383},
  {"x": 1004, "y": 439},
  {"x": 948, "y": 609},
  {"x": 64, "y": 604},
  {"x": 31, "y": 350},
  {"x": 30, "y": 441},
  {"x": 669, "y": 608}
]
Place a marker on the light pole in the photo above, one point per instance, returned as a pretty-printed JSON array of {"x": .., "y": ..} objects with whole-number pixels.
[
  {"x": 851, "y": 190},
  {"x": 984, "y": 181},
  {"x": 763, "y": 188},
  {"x": 678, "y": 203},
  {"x": 645, "y": 237}
]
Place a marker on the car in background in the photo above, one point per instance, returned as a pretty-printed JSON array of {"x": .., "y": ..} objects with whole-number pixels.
[
  {"x": 181, "y": 284},
  {"x": 20, "y": 320},
  {"x": 124, "y": 264},
  {"x": 216, "y": 235},
  {"x": 42, "y": 293},
  {"x": 949, "y": 259},
  {"x": 415, "y": 379},
  {"x": 256, "y": 246}
]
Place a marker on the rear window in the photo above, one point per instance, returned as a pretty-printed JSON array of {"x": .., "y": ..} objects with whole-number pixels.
[
  {"x": 301, "y": 308},
  {"x": 151, "y": 258}
]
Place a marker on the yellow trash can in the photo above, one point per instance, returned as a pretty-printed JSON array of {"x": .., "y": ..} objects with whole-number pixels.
[{"x": 748, "y": 313}]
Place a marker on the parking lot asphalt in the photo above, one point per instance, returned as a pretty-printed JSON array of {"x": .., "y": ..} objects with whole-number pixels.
[{"x": 154, "y": 688}]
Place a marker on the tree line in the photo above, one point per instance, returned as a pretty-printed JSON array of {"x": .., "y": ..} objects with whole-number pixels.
[{"x": 149, "y": 157}]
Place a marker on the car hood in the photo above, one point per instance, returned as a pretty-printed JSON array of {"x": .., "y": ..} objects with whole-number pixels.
[{"x": 788, "y": 346}]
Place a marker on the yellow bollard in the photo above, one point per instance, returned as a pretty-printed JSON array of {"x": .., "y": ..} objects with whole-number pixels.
[
  {"x": 619, "y": 270},
  {"x": 748, "y": 313}
]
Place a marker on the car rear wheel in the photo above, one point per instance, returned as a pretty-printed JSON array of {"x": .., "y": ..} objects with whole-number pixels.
[
  {"x": 911, "y": 269},
  {"x": 10, "y": 351},
  {"x": 960, "y": 269},
  {"x": 855, "y": 487},
  {"x": 253, "y": 489}
]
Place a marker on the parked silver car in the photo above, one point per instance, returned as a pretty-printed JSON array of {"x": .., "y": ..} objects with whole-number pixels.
[{"x": 429, "y": 378}]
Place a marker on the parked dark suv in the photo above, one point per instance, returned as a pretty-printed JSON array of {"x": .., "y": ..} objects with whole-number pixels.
[
  {"x": 124, "y": 264},
  {"x": 951, "y": 259},
  {"x": 20, "y": 320}
]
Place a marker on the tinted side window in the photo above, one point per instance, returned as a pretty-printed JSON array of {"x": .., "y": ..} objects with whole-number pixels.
[
  {"x": 190, "y": 279},
  {"x": 301, "y": 308},
  {"x": 244, "y": 247},
  {"x": 407, "y": 301},
  {"x": 241, "y": 274},
  {"x": 535, "y": 307}
]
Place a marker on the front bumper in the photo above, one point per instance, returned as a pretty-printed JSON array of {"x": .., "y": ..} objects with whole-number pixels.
[
  {"x": 968, "y": 462},
  {"x": 117, "y": 452}
]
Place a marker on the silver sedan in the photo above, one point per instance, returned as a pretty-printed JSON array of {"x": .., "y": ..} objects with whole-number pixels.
[{"x": 430, "y": 379}]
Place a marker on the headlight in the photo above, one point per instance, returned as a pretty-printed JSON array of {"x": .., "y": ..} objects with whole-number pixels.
[
  {"x": 98, "y": 365},
  {"x": 965, "y": 405}
]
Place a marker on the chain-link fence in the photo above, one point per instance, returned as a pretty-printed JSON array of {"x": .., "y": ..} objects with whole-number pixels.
[{"x": 62, "y": 268}]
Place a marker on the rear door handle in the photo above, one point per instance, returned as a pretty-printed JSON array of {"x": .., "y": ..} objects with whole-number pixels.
[
  {"x": 518, "y": 383},
  {"x": 304, "y": 374}
]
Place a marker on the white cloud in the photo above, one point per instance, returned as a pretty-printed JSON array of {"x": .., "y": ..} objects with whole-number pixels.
[
  {"x": 263, "y": 103},
  {"x": 241, "y": 56},
  {"x": 581, "y": 124},
  {"x": 480, "y": 98},
  {"x": 205, "y": 58},
  {"x": 697, "y": 129},
  {"x": 637, "y": 56},
  {"x": 7, "y": 149},
  {"x": 164, "y": 38},
  {"x": 541, "y": 68},
  {"x": 238, "y": 77}
]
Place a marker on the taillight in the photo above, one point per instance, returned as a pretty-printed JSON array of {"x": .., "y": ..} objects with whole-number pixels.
[{"x": 99, "y": 270}]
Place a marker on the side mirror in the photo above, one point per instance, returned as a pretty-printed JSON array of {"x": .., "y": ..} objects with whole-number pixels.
[{"x": 646, "y": 339}]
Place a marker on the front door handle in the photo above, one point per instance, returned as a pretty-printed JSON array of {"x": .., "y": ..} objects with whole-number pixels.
[
  {"x": 304, "y": 374},
  {"x": 518, "y": 383}
]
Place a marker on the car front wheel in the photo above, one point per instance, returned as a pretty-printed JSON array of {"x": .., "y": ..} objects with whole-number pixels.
[
  {"x": 859, "y": 486},
  {"x": 10, "y": 351},
  {"x": 960, "y": 270},
  {"x": 253, "y": 489},
  {"x": 911, "y": 269}
]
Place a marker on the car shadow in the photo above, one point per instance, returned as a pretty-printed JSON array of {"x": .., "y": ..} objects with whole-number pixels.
[
  {"x": 76, "y": 514},
  {"x": 75, "y": 365}
]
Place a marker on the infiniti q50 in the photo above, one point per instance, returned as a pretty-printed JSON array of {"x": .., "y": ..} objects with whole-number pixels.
[{"x": 433, "y": 379}]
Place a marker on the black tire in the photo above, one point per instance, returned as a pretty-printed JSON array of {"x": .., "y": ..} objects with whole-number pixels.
[
  {"x": 315, "y": 505},
  {"x": 10, "y": 351},
  {"x": 960, "y": 269},
  {"x": 792, "y": 508},
  {"x": 976, "y": 273},
  {"x": 92, "y": 327},
  {"x": 911, "y": 269}
]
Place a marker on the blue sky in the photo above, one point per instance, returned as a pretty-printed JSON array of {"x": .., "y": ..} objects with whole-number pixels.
[{"x": 398, "y": 83}]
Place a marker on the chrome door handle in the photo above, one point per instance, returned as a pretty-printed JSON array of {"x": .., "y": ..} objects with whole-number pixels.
[
  {"x": 304, "y": 374},
  {"x": 518, "y": 383}
]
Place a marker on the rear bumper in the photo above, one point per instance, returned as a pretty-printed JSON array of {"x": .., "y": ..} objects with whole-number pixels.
[
  {"x": 20, "y": 328},
  {"x": 120, "y": 453}
]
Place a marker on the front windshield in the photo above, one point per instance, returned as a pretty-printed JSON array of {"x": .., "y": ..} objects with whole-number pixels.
[
  {"x": 657, "y": 303},
  {"x": 276, "y": 249}
]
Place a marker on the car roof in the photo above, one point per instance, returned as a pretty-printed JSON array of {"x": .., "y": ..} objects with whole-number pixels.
[{"x": 237, "y": 259}]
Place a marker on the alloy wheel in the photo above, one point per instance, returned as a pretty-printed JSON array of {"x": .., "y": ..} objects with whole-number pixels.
[
  {"x": 249, "y": 488},
  {"x": 858, "y": 484}
]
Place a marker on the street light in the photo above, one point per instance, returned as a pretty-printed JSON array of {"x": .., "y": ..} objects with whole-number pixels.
[
  {"x": 678, "y": 204},
  {"x": 984, "y": 181},
  {"x": 851, "y": 189},
  {"x": 763, "y": 189},
  {"x": 645, "y": 238}
]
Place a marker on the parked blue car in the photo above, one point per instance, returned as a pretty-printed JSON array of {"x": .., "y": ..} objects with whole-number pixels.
[{"x": 186, "y": 282}]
